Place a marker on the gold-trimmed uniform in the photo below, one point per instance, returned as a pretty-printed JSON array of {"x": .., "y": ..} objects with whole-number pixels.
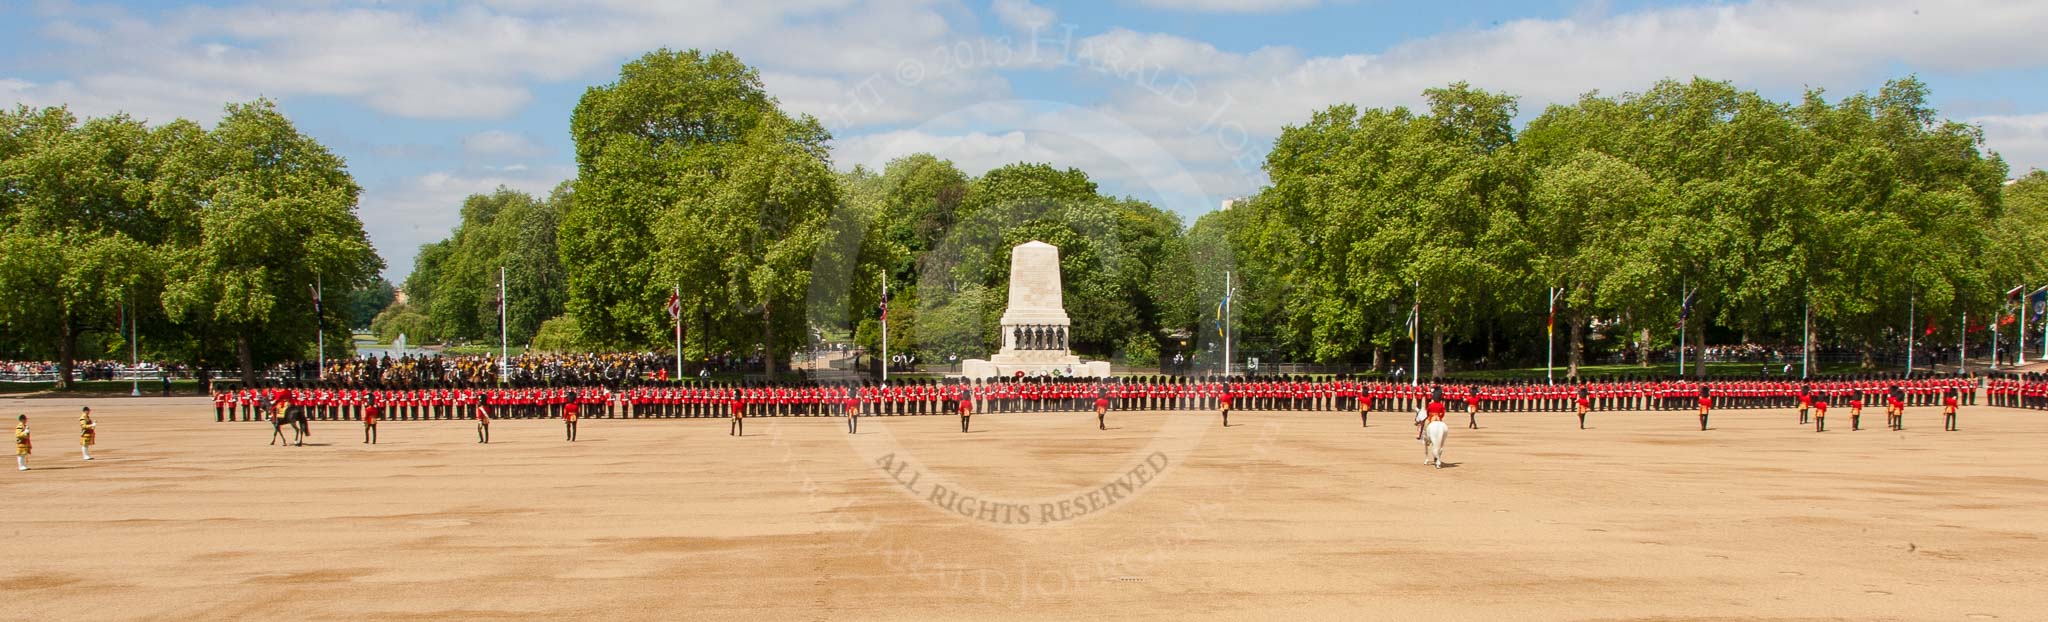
[
  {"x": 22, "y": 446},
  {"x": 88, "y": 431}
]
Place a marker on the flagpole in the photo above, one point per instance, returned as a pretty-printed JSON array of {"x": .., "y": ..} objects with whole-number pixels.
[
  {"x": 2022, "y": 354},
  {"x": 134, "y": 361},
  {"x": 677, "y": 317},
  {"x": 1963, "y": 335},
  {"x": 1415, "y": 336},
  {"x": 1550, "y": 339},
  {"x": 885, "y": 327},
  {"x": 1684, "y": 309},
  {"x": 1226, "y": 323},
  {"x": 504, "y": 342},
  {"x": 1806, "y": 339},
  {"x": 320, "y": 336}
]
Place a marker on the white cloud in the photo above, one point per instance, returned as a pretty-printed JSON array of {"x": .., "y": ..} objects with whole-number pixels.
[
  {"x": 403, "y": 214},
  {"x": 1231, "y": 6},
  {"x": 2021, "y": 139},
  {"x": 1219, "y": 110},
  {"x": 1022, "y": 15},
  {"x": 500, "y": 144},
  {"x": 474, "y": 60}
]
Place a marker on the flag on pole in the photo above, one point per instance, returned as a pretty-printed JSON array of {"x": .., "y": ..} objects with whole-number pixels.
[
  {"x": 316, "y": 298},
  {"x": 1684, "y": 309},
  {"x": 1930, "y": 326},
  {"x": 675, "y": 306},
  {"x": 2038, "y": 302},
  {"x": 1219, "y": 317},
  {"x": 2013, "y": 295},
  {"x": 1414, "y": 318},
  {"x": 1550, "y": 324}
]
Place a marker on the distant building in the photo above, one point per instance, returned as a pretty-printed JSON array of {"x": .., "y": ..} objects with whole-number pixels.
[{"x": 1234, "y": 201}]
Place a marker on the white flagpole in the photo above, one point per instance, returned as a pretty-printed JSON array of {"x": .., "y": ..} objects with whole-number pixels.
[
  {"x": 1550, "y": 339},
  {"x": 1963, "y": 334},
  {"x": 2022, "y": 353},
  {"x": 1684, "y": 317},
  {"x": 678, "y": 318},
  {"x": 134, "y": 360},
  {"x": 885, "y": 327},
  {"x": 1910, "y": 310},
  {"x": 1415, "y": 336},
  {"x": 1226, "y": 323},
  {"x": 320, "y": 336},
  {"x": 504, "y": 343}
]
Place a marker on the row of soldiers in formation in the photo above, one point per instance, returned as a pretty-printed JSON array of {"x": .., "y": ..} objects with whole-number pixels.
[
  {"x": 921, "y": 397},
  {"x": 24, "y": 441}
]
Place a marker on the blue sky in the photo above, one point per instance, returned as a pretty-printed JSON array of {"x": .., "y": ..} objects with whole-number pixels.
[{"x": 1173, "y": 101}]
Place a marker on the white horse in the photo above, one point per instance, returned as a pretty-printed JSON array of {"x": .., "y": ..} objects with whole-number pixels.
[{"x": 1432, "y": 439}]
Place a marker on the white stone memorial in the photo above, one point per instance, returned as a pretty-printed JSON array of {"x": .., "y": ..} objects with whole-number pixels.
[{"x": 1034, "y": 327}]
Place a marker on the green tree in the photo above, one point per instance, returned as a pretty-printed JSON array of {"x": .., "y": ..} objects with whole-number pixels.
[{"x": 275, "y": 211}]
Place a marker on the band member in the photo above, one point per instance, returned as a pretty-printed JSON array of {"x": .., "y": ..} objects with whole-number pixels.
[
  {"x": 1895, "y": 409},
  {"x": 966, "y": 410},
  {"x": 1472, "y": 409},
  {"x": 1855, "y": 411},
  {"x": 371, "y": 413},
  {"x": 88, "y": 432},
  {"x": 569, "y": 407},
  {"x": 22, "y": 445},
  {"x": 1706, "y": 405},
  {"x": 1805, "y": 403},
  {"x": 1363, "y": 394},
  {"x": 1948, "y": 411},
  {"x": 852, "y": 406},
  {"x": 1585, "y": 403},
  {"x": 1820, "y": 413},
  {"x": 483, "y": 418},
  {"x": 1102, "y": 410}
]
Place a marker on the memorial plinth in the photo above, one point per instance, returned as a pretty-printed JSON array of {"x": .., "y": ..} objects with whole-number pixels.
[{"x": 1035, "y": 328}]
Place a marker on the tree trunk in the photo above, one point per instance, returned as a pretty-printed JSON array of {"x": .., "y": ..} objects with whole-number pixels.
[
  {"x": 1643, "y": 350},
  {"x": 67, "y": 349},
  {"x": 1436, "y": 354},
  {"x": 1378, "y": 359},
  {"x": 768, "y": 340},
  {"x": 1575, "y": 352},
  {"x": 1491, "y": 354},
  {"x": 247, "y": 358}
]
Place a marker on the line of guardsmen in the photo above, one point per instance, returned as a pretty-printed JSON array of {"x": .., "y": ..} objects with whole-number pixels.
[
  {"x": 670, "y": 399},
  {"x": 2017, "y": 390}
]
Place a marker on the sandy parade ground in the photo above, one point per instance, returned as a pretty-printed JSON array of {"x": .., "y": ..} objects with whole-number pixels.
[{"x": 1300, "y": 516}]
